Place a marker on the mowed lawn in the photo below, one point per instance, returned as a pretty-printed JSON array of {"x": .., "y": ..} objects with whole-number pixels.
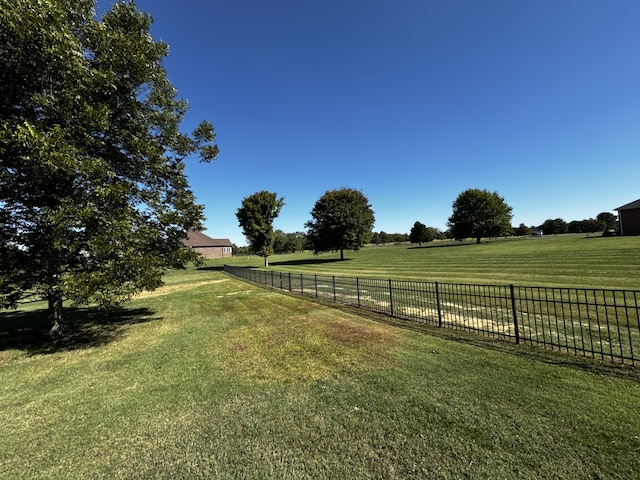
[
  {"x": 563, "y": 261},
  {"x": 210, "y": 377}
]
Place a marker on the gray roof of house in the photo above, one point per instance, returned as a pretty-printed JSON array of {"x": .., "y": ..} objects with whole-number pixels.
[
  {"x": 199, "y": 239},
  {"x": 630, "y": 206}
]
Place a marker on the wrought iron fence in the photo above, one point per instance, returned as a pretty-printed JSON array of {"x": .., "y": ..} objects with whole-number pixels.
[{"x": 598, "y": 323}]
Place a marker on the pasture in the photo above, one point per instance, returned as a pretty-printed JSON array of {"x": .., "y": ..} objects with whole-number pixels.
[
  {"x": 562, "y": 261},
  {"x": 211, "y": 377}
]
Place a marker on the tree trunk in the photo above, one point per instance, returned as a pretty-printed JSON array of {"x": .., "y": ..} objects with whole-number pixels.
[
  {"x": 55, "y": 313},
  {"x": 341, "y": 254},
  {"x": 266, "y": 262},
  {"x": 478, "y": 240}
]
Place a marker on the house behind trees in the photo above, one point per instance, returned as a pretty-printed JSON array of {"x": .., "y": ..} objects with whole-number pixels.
[{"x": 209, "y": 247}]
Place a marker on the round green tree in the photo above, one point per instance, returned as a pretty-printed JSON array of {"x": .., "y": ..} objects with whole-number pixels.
[
  {"x": 420, "y": 233},
  {"x": 94, "y": 201},
  {"x": 479, "y": 213},
  {"x": 342, "y": 220}
]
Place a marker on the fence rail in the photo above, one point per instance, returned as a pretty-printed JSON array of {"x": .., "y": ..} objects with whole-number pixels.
[{"x": 597, "y": 323}]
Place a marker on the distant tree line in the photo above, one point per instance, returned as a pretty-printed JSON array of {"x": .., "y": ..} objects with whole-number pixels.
[
  {"x": 289, "y": 242},
  {"x": 342, "y": 220},
  {"x": 604, "y": 222},
  {"x": 382, "y": 237}
]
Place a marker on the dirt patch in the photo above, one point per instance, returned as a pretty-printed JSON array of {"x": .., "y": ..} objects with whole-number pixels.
[
  {"x": 375, "y": 345},
  {"x": 354, "y": 335},
  {"x": 303, "y": 348},
  {"x": 169, "y": 289}
]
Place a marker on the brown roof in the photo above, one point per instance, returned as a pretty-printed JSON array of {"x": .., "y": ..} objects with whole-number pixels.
[
  {"x": 630, "y": 206},
  {"x": 199, "y": 239}
]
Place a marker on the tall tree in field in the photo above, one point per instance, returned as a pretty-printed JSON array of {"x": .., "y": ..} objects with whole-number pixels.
[
  {"x": 342, "y": 220},
  {"x": 522, "y": 230},
  {"x": 554, "y": 226},
  {"x": 420, "y": 233},
  {"x": 94, "y": 202},
  {"x": 479, "y": 213},
  {"x": 608, "y": 221},
  {"x": 256, "y": 216}
]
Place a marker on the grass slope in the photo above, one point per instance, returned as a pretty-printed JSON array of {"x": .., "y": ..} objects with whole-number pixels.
[
  {"x": 563, "y": 261},
  {"x": 214, "y": 378}
]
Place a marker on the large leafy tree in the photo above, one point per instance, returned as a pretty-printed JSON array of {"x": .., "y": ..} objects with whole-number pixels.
[
  {"x": 342, "y": 220},
  {"x": 256, "y": 216},
  {"x": 522, "y": 230},
  {"x": 588, "y": 225},
  {"x": 94, "y": 201},
  {"x": 420, "y": 233},
  {"x": 554, "y": 226},
  {"x": 479, "y": 213},
  {"x": 608, "y": 221}
]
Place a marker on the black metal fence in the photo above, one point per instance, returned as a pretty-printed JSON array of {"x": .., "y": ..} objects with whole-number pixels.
[{"x": 598, "y": 323}]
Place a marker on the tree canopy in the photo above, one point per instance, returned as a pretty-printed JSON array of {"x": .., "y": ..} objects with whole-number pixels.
[
  {"x": 342, "y": 220},
  {"x": 94, "y": 201},
  {"x": 608, "y": 221},
  {"x": 479, "y": 213},
  {"x": 588, "y": 225},
  {"x": 288, "y": 242},
  {"x": 420, "y": 233},
  {"x": 256, "y": 216},
  {"x": 522, "y": 230},
  {"x": 554, "y": 226}
]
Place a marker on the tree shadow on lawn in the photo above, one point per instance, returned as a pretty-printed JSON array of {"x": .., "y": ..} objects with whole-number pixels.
[
  {"x": 310, "y": 261},
  {"x": 439, "y": 245},
  {"x": 213, "y": 268},
  {"x": 83, "y": 328}
]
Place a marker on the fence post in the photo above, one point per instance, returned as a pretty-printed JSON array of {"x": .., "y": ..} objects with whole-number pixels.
[
  {"x": 334, "y": 287},
  {"x": 358, "y": 289},
  {"x": 438, "y": 304},
  {"x": 301, "y": 285},
  {"x": 390, "y": 297},
  {"x": 515, "y": 313},
  {"x": 289, "y": 282},
  {"x": 280, "y": 280}
]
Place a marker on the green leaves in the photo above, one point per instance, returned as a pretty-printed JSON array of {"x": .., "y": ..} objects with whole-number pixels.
[
  {"x": 94, "y": 201},
  {"x": 342, "y": 220},
  {"x": 256, "y": 216},
  {"x": 480, "y": 213},
  {"x": 421, "y": 233}
]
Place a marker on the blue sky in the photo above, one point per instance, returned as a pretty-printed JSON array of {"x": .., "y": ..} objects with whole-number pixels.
[{"x": 411, "y": 102}]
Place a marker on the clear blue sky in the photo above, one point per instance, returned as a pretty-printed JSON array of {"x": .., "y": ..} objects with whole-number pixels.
[{"x": 411, "y": 102}]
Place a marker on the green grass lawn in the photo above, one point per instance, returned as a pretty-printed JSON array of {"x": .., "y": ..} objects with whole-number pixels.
[
  {"x": 211, "y": 377},
  {"x": 563, "y": 261}
]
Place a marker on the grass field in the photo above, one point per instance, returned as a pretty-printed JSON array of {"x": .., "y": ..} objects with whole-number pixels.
[
  {"x": 211, "y": 377},
  {"x": 563, "y": 261}
]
